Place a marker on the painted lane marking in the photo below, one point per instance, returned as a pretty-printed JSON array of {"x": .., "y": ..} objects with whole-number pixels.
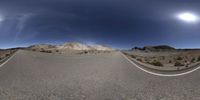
[{"x": 8, "y": 59}]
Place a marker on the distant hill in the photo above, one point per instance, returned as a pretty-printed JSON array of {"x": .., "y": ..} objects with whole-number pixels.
[
  {"x": 159, "y": 47},
  {"x": 45, "y": 46},
  {"x": 155, "y": 48},
  {"x": 74, "y": 46},
  {"x": 70, "y": 46}
]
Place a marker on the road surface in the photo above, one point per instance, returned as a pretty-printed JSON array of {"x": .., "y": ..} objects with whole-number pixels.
[{"x": 39, "y": 76}]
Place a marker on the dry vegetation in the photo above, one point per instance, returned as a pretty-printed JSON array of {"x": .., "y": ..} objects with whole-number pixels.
[
  {"x": 66, "y": 51},
  {"x": 70, "y": 48},
  {"x": 171, "y": 58},
  {"x": 6, "y": 53}
]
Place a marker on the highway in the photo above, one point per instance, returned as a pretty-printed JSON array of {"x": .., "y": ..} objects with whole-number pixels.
[{"x": 106, "y": 76}]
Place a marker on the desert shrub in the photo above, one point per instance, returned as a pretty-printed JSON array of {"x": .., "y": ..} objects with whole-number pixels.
[
  {"x": 42, "y": 51},
  {"x": 187, "y": 65},
  {"x": 46, "y": 51},
  {"x": 170, "y": 61},
  {"x": 7, "y": 55},
  {"x": 125, "y": 53},
  {"x": 163, "y": 57},
  {"x": 132, "y": 56},
  {"x": 193, "y": 60},
  {"x": 49, "y": 51},
  {"x": 57, "y": 50},
  {"x": 178, "y": 64},
  {"x": 198, "y": 59},
  {"x": 139, "y": 59},
  {"x": 156, "y": 63},
  {"x": 33, "y": 49},
  {"x": 85, "y": 52},
  {"x": 179, "y": 58}
]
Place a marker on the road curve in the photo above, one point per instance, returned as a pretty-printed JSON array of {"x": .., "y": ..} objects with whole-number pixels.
[
  {"x": 109, "y": 76},
  {"x": 168, "y": 73}
]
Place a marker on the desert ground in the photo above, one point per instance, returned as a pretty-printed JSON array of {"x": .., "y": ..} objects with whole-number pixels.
[
  {"x": 173, "y": 59},
  {"x": 5, "y": 54}
]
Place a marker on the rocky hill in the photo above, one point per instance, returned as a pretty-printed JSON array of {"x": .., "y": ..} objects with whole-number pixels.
[
  {"x": 70, "y": 46},
  {"x": 74, "y": 46},
  {"x": 159, "y": 48},
  {"x": 155, "y": 48}
]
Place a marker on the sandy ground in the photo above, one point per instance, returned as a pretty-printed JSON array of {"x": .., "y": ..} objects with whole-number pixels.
[
  {"x": 105, "y": 76},
  {"x": 167, "y": 59},
  {"x": 5, "y": 54}
]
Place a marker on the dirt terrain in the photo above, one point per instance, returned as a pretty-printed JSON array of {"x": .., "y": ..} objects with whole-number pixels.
[
  {"x": 66, "y": 48},
  {"x": 165, "y": 56},
  {"x": 70, "y": 48},
  {"x": 6, "y": 53}
]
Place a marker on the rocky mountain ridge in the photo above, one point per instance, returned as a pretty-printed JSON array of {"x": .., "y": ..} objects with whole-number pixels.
[
  {"x": 71, "y": 46},
  {"x": 155, "y": 48}
]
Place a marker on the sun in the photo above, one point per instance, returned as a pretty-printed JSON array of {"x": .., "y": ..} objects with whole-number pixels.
[{"x": 188, "y": 17}]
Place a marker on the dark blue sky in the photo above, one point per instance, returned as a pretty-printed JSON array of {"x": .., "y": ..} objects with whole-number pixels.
[{"x": 116, "y": 23}]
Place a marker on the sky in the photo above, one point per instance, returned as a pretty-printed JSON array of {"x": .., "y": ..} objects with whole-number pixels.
[{"x": 116, "y": 23}]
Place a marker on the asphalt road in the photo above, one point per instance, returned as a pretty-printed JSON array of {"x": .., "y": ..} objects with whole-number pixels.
[{"x": 109, "y": 76}]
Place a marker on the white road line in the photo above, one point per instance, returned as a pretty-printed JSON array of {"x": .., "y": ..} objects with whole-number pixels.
[
  {"x": 158, "y": 74},
  {"x": 4, "y": 59},
  {"x": 8, "y": 59}
]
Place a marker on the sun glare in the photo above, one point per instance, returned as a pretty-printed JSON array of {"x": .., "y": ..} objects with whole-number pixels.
[{"x": 188, "y": 17}]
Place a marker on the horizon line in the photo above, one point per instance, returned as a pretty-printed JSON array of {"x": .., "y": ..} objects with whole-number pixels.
[{"x": 119, "y": 48}]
